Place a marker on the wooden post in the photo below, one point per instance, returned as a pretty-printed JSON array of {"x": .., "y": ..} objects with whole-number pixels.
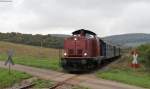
[{"x": 9, "y": 69}]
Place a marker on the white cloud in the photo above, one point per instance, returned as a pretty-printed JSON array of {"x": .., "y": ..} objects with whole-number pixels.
[
  {"x": 105, "y": 17},
  {"x": 134, "y": 19}
]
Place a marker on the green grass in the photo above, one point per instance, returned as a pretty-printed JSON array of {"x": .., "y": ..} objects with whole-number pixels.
[
  {"x": 7, "y": 80},
  {"x": 129, "y": 77},
  {"x": 31, "y": 56}
]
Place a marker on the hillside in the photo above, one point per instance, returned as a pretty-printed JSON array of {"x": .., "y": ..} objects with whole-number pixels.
[
  {"x": 129, "y": 39},
  {"x": 56, "y": 40},
  {"x": 60, "y": 35},
  {"x": 134, "y": 39}
]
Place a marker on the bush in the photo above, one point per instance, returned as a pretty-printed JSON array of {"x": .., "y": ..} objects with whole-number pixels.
[{"x": 145, "y": 55}]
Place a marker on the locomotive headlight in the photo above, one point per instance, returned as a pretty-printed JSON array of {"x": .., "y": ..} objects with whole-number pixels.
[
  {"x": 85, "y": 54},
  {"x": 65, "y": 54},
  {"x": 75, "y": 38}
]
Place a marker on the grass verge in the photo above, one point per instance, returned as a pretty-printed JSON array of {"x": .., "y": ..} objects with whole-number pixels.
[
  {"x": 7, "y": 80},
  {"x": 129, "y": 77}
]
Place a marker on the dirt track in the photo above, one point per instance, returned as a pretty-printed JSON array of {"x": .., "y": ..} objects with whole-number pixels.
[{"x": 86, "y": 80}]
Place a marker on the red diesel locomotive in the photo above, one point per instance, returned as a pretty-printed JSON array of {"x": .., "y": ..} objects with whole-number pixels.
[{"x": 85, "y": 51}]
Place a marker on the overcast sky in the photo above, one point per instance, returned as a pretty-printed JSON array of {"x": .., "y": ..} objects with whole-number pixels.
[{"x": 104, "y": 17}]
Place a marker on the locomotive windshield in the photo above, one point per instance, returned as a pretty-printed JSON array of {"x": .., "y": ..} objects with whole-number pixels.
[
  {"x": 89, "y": 36},
  {"x": 86, "y": 33}
]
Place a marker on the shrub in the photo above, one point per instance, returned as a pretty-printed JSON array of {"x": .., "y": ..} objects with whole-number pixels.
[{"x": 147, "y": 55}]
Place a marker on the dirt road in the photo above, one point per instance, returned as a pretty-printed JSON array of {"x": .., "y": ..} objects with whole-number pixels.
[{"x": 87, "y": 80}]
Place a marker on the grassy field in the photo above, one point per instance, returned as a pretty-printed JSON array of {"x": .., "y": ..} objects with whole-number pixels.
[
  {"x": 7, "y": 80},
  {"x": 31, "y": 56},
  {"x": 122, "y": 72}
]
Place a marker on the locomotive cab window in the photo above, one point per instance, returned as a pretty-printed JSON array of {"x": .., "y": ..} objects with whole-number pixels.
[{"x": 89, "y": 36}]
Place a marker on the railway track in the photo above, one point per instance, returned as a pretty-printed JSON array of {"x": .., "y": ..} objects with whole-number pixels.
[
  {"x": 55, "y": 86},
  {"x": 26, "y": 86},
  {"x": 63, "y": 82}
]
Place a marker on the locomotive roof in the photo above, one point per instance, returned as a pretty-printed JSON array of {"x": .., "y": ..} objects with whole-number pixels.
[{"x": 85, "y": 31}]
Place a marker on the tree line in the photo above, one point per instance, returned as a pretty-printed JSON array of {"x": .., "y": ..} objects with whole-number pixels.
[{"x": 35, "y": 40}]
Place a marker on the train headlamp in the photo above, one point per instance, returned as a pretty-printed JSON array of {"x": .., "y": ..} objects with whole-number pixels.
[
  {"x": 65, "y": 54},
  {"x": 85, "y": 54},
  {"x": 75, "y": 38}
]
